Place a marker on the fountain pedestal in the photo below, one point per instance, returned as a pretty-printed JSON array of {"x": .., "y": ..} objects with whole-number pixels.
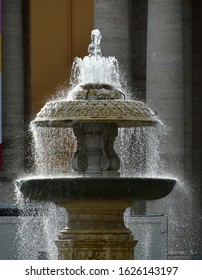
[{"x": 96, "y": 231}]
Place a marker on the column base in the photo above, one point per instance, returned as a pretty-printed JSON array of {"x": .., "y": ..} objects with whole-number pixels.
[{"x": 95, "y": 245}]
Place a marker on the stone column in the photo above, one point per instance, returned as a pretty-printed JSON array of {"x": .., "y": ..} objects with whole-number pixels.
[
  {"x": 13, "y": 97},
  {"x": 165, "y": 77},
  {"x": 112, "y": 19},
  {"x": 165, "y": 94},
  {"x": 138, "y": 45}
]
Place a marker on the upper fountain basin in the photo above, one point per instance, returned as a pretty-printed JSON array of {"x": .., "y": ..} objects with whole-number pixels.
[
  {"x": 95, "y": 103},
  {"x": 71, "y": 189}
]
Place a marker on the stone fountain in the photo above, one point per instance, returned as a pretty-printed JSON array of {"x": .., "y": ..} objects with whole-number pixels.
[{"x": 96, "y": 196}]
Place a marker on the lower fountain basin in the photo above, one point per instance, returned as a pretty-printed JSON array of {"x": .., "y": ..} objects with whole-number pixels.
[
  {"x": 80, "y": 189},
  {"x": 95, "y": 207}
]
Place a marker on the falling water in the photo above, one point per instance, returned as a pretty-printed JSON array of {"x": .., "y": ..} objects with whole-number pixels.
[
  {"x": 39, "y": 224},
  {"x": 155, "y": 165},
  {"x": 53, "y": 150},
  {"x": 95, "y": 68},
  {"x": 130, "y": 145}
]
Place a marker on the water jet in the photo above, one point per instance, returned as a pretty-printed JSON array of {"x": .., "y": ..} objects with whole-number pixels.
[{"x": 96, "y": 196}]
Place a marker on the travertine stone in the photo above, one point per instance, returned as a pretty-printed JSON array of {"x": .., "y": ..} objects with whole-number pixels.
[
  {"x": 80, "y": 159},
  {"x": 12, "y": 99},
  {"x": 97, "y": 91},
  {"x": 95, "y": 250},
  {"x": 123, "y": 112},
  {"x": 109, "y": 160},
  {"x": 95, "y": 152},
  {"x": 165, "y": 76},
  {"x": 167, "y": 91},
  {"x": 112, "y": 19}
]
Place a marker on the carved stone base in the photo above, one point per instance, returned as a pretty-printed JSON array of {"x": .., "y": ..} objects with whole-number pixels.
[
  {"x": 69, "y": 249},
  {"x": 95, "y": 232}
]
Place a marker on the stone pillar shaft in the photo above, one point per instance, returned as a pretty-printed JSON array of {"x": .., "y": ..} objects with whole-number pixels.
[
  {"x": 167, "y": 94},
  {"x": 12, "y": 99},
  {"x": 112, "y": 19},
  {"x": 165, "y": 77}
]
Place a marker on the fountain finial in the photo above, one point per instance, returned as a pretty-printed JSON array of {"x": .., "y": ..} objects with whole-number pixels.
[{"x": 94, "y": 47}]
